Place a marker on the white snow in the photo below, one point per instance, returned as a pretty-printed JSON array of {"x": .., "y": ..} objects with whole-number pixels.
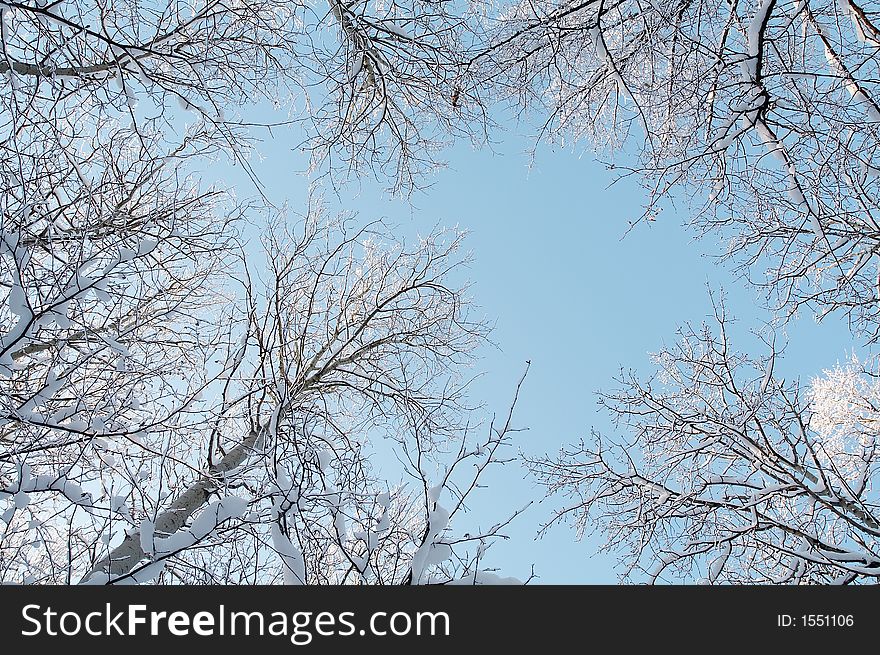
[
  {"x": 204, "y": 524},
  {"x": 397, "y": 30},
  {"x": 21, "y": 500},
  {"x": 339, "y": 524},
  {"x": 485, "y": 578},
  {"x": 293, "y": 565},
  {"x": 126, "y": 254},
  {"x": 18, "y": 301},
  {"x": 41, "y": 483},
  {"x": 429, "y": 551},
  {"x": 117, "y": 503},
  {"x": 768, "y": 376},
  {"x": 147, "y": 531},
  {"x": 718, "y": 563},
  {"x": 816, "y": 226},
  {"x": 143, "y": 575},
  {"x": 754, "y": 35},
  {"x": 384, "y": 523},
  {"x": 146, "y": 246},
  {"x": 602, "y": 53}
]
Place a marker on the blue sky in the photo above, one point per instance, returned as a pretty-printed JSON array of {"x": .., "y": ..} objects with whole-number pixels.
[{"x": 568, "y": 293}]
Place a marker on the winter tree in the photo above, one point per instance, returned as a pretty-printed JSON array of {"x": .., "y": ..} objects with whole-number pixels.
[
  {"x": 182, "y": 401},
  {"x": 763, "y": 112},
  {"x": 728, "y": 475},
  {"x": 765, "y": 115}
]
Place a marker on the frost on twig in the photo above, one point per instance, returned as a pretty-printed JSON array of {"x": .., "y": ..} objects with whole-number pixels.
[
  {"x": 762, "y": 114},
  {"x": 727, "y": 474}
]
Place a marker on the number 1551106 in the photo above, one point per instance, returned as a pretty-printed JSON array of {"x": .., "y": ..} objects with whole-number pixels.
[{"x": 815, "y": 621}]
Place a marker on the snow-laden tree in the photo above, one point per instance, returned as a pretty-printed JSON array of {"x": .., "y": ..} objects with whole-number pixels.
[
  {"x": 375, "y": 84},
  {"x": 764, "y": 112},
  {"x": 726, "y": 474},
  {"x": 160, "y": 415},
  {"x": 183, "y": 402}
]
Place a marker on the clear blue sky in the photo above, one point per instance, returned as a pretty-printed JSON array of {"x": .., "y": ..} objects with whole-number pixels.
[{"x": 569, "y": 294}]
